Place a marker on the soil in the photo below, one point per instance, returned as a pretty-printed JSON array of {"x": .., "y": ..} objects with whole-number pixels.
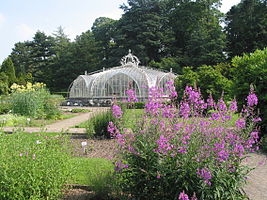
[{"x": 95, "y": 148}]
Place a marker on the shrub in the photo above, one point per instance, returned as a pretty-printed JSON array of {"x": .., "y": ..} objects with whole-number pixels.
[
  {"x": 79, "y": 110},
  {"x": 208, "y": 78},
  {"x": 251, "y": 69},
  {"x": 181, "y": 151},
  {"x": 32, "y": 166},
  {"x": 5, "y": 104},
  {"x": 35, "y": 101},
  {"x": 97, "y": 125}
]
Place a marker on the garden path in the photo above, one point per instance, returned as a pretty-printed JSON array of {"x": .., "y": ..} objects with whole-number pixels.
[
  {"x": 63, "y": 125},
  {"x": 256, "y": 187}
]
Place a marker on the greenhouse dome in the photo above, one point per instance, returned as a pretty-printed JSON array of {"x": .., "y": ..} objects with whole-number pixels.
[{"x": 103, "y": 86}]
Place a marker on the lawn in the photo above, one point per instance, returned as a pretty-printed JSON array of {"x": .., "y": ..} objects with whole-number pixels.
[
  {"x": 11, "y": 120},
  {"x": 129, "y": 120}
]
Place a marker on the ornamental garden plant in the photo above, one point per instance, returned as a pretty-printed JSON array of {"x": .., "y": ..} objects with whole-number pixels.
[{"x": 192, "y": 149}]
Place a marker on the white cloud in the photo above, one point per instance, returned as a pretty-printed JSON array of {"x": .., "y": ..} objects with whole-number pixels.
[{"x": 24, "y": 32}]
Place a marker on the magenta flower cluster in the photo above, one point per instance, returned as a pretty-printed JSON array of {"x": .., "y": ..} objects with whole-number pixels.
[
  {"x": 194, "y": 131},
  {"x": 116, "y": 111},
  {"x": 131, "y": 96}
]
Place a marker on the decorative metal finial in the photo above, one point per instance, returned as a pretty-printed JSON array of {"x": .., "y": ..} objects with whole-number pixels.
[{"x": 130, "y": 59}]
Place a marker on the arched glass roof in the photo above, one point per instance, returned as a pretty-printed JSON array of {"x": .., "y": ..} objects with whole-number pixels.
[{"x": 113, "y": 82}]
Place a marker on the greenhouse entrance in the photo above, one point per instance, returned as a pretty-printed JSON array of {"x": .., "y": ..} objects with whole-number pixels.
[{"x": 101, "y": 88}]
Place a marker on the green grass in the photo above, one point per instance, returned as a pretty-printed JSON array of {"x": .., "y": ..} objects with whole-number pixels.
[
  {"x": 129, "y": 120},
  {"x": 131, "y": 117},
  {"x": 22, "y": 121},
  {"x": 89, "y": 169}
]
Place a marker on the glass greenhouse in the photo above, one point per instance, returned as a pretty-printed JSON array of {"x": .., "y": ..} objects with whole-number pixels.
[{"x": 105, "y": 85}]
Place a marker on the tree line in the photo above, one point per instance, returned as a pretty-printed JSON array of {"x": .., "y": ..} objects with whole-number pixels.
[{"x": 163, "y": 34}]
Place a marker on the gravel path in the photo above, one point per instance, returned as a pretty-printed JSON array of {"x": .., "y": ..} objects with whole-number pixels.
[
  {"x": 63, "y": 125},
  {"x": 256, "y": 187}
]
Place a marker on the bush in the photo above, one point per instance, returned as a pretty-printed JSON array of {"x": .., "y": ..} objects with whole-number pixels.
[
  {"x": 208, "y": 78},
  {"x": 250, "y": 69},
  {"x": 33, "y": 166},
  {"x": 97, "y": 125},
  {"x": 35, "y": 102},
  {"x": 5, "y": 104},
  {"x": 79, "y": 110},
  {"x": 180, "y": 151},
  {"x": 133, "y": 105}
]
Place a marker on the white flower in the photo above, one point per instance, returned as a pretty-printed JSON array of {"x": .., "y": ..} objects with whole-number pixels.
[
  {"x": 28, "y": 119},
  {"x": 38, "y": 142},
  {"x": 84, "y": 144}
]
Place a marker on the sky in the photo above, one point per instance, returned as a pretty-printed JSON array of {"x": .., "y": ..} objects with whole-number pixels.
[{"x": 20, "y": 19}]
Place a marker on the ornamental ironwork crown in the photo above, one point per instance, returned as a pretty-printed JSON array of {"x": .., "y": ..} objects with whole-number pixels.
[{"x": 130, "y": 59}]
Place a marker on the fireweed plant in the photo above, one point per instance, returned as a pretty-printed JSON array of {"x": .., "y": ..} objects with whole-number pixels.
[{"x": 183, "y": 151}]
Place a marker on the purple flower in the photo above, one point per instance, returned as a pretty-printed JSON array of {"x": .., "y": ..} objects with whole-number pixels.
[
  {"x": 223, "y": 155},
  {"x": 116, "y": 111},
  {"x": 210, "y": 101},
  {"x": 184, "y": 109},
  {"x": 119, "y": 166},
  {"x": 112, "y": 129},
  {"x": 163, "y": 145},
  {"x": 252, "y": 99},
  {"x": 221, "y": 105},
  {"x": 233, "y": 106},
  {"x": 131, "y": 96},
  {"x": 183, "y": 196},
  {"x": 240, "y": 123},
  {"x": 205, "y": 174}
]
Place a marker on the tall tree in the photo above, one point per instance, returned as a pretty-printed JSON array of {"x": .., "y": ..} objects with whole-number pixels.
[
  {"x": 198, "y": 35},
  {"x": 9, "y": 70},
  {"x": 42, "y": 53},
  {"x": 20, "y": 56},
  {"x": 103, "y": 30},
  {"x": 141, "y": 29},
  {"x": 246, "y": 27}
]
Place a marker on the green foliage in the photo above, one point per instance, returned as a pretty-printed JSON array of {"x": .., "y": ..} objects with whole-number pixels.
[
  {"x": 246, "y": 25},
  {"x": 167, "y": 64},
  {"x": 97, "y": 125},
  {"x": 79, "y": 110},
  {"x": 198, "y": 35},
  {"x": 36, "y": 104},
  {"x": 3, "y": 83},
  {"x": 13, "y": 120},
  {"x": 96, "y": 173},
  {"x": 9, "y": 70},
  {"x": 264, "y": 143},
  {"x": 251, "y": 69},
  {"x": 141, "y": 28},
  {"x": 33, "y": 166},
  {"x": 208, "y": 78},
  {"x": 5, "y": 107}
]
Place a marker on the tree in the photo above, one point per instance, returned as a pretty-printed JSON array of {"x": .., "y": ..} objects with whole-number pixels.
[
  {"x": 3, "y": 83},
  {"x": 103, "y": 30},
  {"x": 42, "y": 53},
  {"x": 21, "y": 58},
  {"x": 246, "y": 27},
  {"x": 9, "y": 70},
  {"x": 141, "y": 29},
  {"x": 198, "y": 35}
]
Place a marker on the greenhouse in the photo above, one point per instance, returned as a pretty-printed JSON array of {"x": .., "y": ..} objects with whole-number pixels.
[{"x": 102, "y": 87}]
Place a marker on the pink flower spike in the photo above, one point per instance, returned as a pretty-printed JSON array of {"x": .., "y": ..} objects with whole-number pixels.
[{"x": 183, "y": 196}]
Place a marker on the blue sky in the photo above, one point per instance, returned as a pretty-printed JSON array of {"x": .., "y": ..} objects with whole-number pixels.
[{"x": 20, "y": 19}]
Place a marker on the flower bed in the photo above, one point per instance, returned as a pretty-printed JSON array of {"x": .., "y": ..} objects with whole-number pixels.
[{"x": 183, "y": 151}]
